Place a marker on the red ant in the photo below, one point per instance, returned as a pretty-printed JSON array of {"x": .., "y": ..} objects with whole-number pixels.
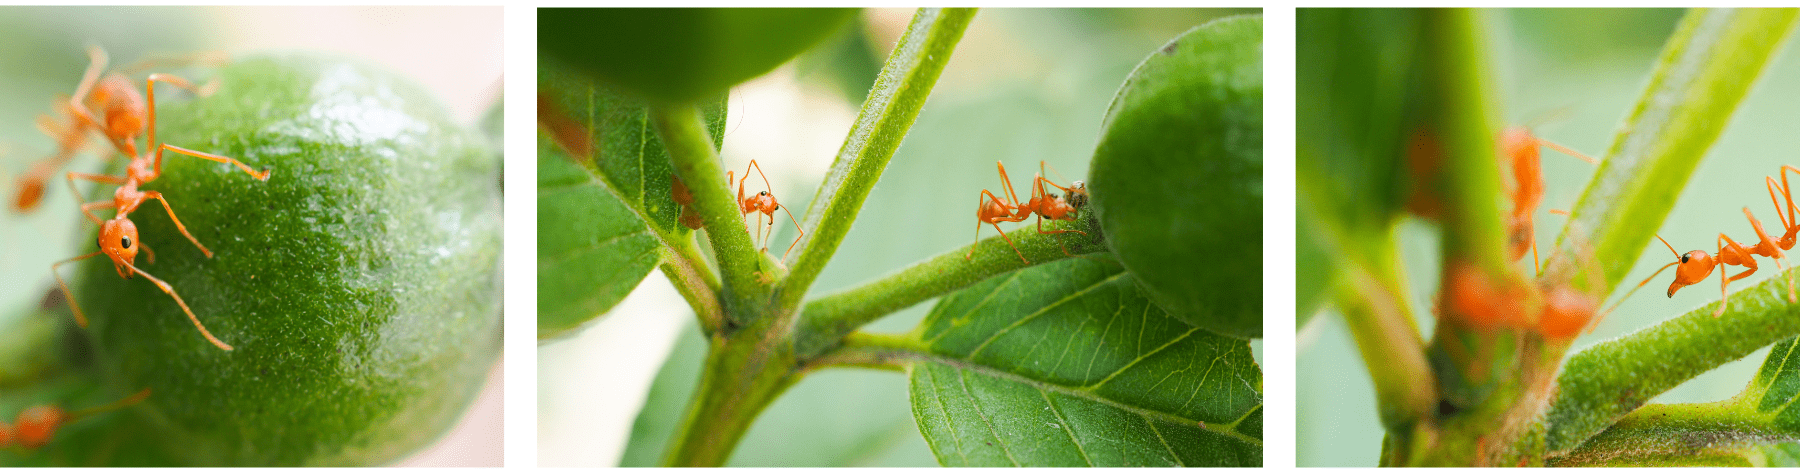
[
  {"x": 37, "y": 424},
  {"x": 992, "y": 210},
  {"x": 1695, "y": 266},
  {"x": 1521, "y": 146},
  {"x": 123, "y": 122},
  {"x": 763, "y": 203},
  {"x": 1053, "y": 207},
  {"x": 124, "y": 118}
]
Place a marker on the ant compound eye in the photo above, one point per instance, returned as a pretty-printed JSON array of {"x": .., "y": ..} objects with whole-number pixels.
[
  {"x": 1684, "y": 258},
  {"x": 763, "y": 193},
  {"x": 125, "y": 242}
]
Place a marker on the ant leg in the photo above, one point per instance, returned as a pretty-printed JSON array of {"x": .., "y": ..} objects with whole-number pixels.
[
  {"x": 1009, "y": 242},
  {"x": 184, "y": 307},
  {"x": 802, "y": 231},
  {"x": 260, "y": 176},
  {"x": 128, "y": 401},
  {"x": 150, "y": 90},
  {"x": 79, "y": 319},
  {"x": 178, "y": 226},
  {"x": 1568, "y": 151},
  {"x": 1009, "y": 187},
  {"x": 100, "y": 178}
]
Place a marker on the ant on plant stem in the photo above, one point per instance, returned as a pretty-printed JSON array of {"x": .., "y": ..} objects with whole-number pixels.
[
  {"x": 1051, "y": 206},
  {"x": 992, "y": 210},
  {"x": 125, "y": 117},
  {"x": 762, "y": 203},
  {"x": 35, "y": 425}
]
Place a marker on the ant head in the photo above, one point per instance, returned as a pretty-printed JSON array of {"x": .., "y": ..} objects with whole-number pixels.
[
  {"x": 119, "y": 241},
  {"x": 1695, "y": 266}
]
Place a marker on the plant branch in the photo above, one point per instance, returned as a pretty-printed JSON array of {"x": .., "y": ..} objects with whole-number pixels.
[
  {"x": 692, "y": 278},
  {"x": 1603, "y": 383},
  {"x": 1373, "y": 304},
  {"x": 899, "y": 93},
  {"x": 1665, "y": 435},
  {"x": 827, "y": 319},
  {"x": 683, "y": 132}
]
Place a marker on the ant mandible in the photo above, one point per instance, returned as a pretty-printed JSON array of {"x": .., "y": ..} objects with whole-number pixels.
[
  {"x": 992, "y": 210},
  {"x": 37, "y": 424},
  {"x": 764, "y": 204},
  {"x": 118, "y": 238}
]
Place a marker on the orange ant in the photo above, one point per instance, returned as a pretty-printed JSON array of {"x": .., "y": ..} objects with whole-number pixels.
[
  {"x": 123, "y": 121},
  {"x": 763, "y": 203},
  {"x": 1695, "y": 266},
  {"x": 992, "y": 210},
  {"x": 37, "y": 424},
  {"x": 1521, "y": 146},
  {"x": 1051, "y": 206},
  {"x": 118, "y": 236}
]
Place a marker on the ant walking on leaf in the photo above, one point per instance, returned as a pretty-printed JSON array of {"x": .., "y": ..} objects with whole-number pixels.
[
  {"x": 125, "y": 114},
  {"x": 36, "y": 425}
]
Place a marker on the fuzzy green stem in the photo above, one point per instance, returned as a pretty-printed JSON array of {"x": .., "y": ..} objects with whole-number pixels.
[
  {"x": 743, "y": 374},
  {"x": 1666, "y": 435},
  {"x": 692, "y": 278},
  {"x": 827, "y": 319},
  {"x": 683, "y": 132},
  {"x": 1603, "y": 383},
  {"x": 899, "y": 93},
  {"x": 1373, "y": 303}
]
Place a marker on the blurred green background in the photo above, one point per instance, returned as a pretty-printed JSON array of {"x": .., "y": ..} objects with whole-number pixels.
[
  {"x": 454, "y": 52},
  {"x": 1023, "y": 85},
  {"x": 1574, "y": 74}
]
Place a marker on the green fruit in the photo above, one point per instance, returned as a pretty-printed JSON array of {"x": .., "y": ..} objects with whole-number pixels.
[
  {"x": 1177, "y": 177},
  {"x": 360, "y": 284}
]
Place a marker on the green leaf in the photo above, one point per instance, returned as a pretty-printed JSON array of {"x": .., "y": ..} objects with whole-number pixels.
[
  {"x": 1192, "y": 110},
  {"x": 592, "y": 249},
  {"x": 359, "y": 284},
  {"x": 677, "y": 55},
  {"x": 602, "y": 174},
  {"x": 1706, "y": 70},
  {"x": 1069, "y": 364}
]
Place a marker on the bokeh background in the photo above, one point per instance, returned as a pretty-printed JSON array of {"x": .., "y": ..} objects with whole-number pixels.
[
  {"x": 1023, "y": 86},
  {"x": 453, "y": 51},
  {"x": 1574, "y": 74}
]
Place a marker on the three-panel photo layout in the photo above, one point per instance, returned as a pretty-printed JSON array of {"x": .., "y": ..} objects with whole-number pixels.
[{"x": 280, "y": 236}]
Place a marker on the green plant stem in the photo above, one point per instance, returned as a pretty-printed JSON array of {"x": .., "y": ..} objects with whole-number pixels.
[
  {"x": 692, "y": 278},
  {"x": 744, "y": 372},
  {"x": 683, "y": 132},
  {"x": 1374, "y": 306},
  {"x": 894, "y": 102},
  {"x": 1603, "y": 383},
  {"x": 1665, "y": 435},
  {"x": 827, "y": 319}
]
